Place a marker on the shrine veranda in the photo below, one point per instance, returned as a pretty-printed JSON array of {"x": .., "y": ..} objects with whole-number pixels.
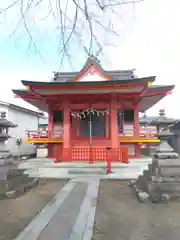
[{"x": 91, "y": 110}]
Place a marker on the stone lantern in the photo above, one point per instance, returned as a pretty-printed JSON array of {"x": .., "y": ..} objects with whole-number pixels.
[
  {"x": 163, "y": 124},
  {"x": 4, "y": 127},
  {"x": 12, "y": 179},
  {"x": 162, "y": 179}
]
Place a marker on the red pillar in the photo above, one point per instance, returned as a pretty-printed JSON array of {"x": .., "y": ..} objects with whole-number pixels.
[
  {"x": 137, "y": 129},
  {"x": 66, "y": 125},
  {"x": 50, "y": 129},
  {"x": 138, "y": 150},
  {"x": 50, "y": 121},
  {"x": 136, "y": 121},
  {"x": 114, "y": 124}
]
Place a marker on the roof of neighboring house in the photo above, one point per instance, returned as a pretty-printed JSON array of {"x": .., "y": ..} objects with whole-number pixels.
[{"x": 22, "y": 109}]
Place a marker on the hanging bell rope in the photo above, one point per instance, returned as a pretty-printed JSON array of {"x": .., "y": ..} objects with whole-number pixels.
[{"x": 88, "y": 111}]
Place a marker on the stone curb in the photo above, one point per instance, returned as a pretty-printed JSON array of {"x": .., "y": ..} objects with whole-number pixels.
[{"x": 22, "y": 189}]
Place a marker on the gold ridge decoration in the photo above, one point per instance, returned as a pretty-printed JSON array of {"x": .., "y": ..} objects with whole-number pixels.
[
  {"x": 149, "y": 84},
  {"x": 86, "y": 112}
]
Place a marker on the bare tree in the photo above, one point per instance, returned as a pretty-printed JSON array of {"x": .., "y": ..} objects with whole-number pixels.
[{"x": 92, "y": 24}]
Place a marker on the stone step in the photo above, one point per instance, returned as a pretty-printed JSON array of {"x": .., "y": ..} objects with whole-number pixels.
[
  {"x": 86, "y": 171},
  {"x": 48, "y": 169},
  {"x": 76, "y": 172},
  {"x": 81, "y": 165}
]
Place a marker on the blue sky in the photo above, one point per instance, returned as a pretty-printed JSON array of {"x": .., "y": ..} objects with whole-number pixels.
[{"x": 149, "y": 42}]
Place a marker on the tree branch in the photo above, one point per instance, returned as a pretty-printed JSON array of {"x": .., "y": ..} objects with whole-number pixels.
[
  {"x": 28, "y": 32},
  {"x": 10, "y": 6},
  {"x": 89, "y": 20}
]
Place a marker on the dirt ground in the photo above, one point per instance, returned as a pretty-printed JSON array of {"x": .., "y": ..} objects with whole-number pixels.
[
  {"x": 15, "y": 214},
  {"x": 119, "y": 216}
]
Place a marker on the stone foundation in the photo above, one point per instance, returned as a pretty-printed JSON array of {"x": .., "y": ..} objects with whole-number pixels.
[{"x": 161, "y": 182}]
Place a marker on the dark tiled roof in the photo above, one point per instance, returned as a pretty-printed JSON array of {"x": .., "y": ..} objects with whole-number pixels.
[
  {"x": 64, "y": 76},
  {"x": 95, "y": 83},
  {"x": 92, "y": 61}
]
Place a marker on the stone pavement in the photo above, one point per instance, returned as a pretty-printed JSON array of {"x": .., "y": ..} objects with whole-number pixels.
[
  {"x": 69, "y": 216},
  {"x": 45, "y": 168}
]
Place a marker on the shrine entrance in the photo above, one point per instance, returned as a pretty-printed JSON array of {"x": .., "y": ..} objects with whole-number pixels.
[
  {"x": 92, "y": 126},
  {"x": 91, "y": 138}
]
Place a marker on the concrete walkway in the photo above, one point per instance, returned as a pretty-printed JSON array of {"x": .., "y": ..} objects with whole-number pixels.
[
  {"x": 45, "y": 168},
  {"x": 69, "y": 216}
]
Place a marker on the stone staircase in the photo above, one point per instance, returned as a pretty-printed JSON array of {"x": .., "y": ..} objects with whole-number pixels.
[{"x": 46, "y": 168}]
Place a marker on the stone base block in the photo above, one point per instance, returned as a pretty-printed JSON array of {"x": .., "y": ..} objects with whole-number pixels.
[
  {"x": 166, "y": 155},
  {"x": 161, "y": 179},
  {"x": 21, "y": 189},
  {"x": 142, "y": 183},
  {"x": 170, "y": 171},
  {"x": 172, "y": 188},
  {"x": 167, "y": 163},
  {"x": 13, "y": 180}
]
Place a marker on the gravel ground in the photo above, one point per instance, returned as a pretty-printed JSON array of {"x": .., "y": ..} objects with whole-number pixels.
[
  {"x": 15, "y": 214},
  {"x": 119, "y": 216}
]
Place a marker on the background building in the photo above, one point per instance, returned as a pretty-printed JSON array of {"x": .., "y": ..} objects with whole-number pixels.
[{"x": 26, "y": 120}]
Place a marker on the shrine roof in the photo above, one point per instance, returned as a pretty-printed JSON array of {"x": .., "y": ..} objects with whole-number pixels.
[
  {"x": 115, "y": 75},
  {"x": 89, "y": 83},
  {"x": 149, "y": 98},
  {"x": 93, "y": 62},
  {"x": 93, "y": 79}
]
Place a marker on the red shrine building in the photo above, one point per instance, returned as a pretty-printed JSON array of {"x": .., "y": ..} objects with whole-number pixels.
[{"x": 91, "y": 110}]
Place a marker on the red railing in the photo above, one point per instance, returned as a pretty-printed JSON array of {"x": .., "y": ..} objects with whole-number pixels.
[
  {"x": 144, "y": 133},
  {"x": 42, "y": 134},
  {"x": 58, "y": 134},
  {"x": 148, "y": 132},
  {"x": 94, "y": 154}
]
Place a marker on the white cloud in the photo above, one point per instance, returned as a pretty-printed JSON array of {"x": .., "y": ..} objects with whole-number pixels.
[{"x": 152, "y": 47}]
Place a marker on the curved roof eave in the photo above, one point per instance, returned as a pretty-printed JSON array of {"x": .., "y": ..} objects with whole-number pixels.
[
  {"x": 153, "y": 95},
  {"x": 100, "y": 83},
  {"x": 155, "y": 88}
]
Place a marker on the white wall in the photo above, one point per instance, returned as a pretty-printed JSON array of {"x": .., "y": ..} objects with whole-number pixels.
[{"x": 25, "y": 121}]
